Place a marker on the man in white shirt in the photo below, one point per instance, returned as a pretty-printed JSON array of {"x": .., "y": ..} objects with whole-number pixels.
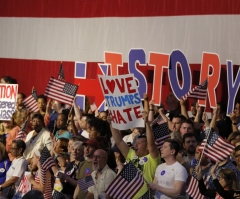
[
  {"x": 102, "y": 175},
  {"x": 171, "y": 176}
]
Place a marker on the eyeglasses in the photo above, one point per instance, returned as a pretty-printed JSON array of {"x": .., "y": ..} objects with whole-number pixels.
[
  {"x": 97, "y": 157},
  {"x": 13, "y": 148}
]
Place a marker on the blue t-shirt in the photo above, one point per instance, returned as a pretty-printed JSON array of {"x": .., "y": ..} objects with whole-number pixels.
[
  {"x": 66, "y": 135},
  {"x": 4, "y": 166}
]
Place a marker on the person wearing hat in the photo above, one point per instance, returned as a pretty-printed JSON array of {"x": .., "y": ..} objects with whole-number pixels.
[{"x": 85, "y": 167}]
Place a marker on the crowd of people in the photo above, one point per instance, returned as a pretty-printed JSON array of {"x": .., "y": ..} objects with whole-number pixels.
[{"x": 84, "y": 145}]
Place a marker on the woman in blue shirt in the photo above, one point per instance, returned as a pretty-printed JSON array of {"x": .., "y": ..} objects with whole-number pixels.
[{"x": 4, "y": 163}]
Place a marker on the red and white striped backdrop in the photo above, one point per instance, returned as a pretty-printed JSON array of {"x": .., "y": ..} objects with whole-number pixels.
[{"x": 36, "y": 35}]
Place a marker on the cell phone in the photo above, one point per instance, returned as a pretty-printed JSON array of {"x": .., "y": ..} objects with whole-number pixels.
[{"x": 237, "y": 192}]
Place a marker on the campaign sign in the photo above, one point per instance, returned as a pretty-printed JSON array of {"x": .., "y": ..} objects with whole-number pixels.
[
  {"x": 123, "y": 100},
  {"x": 8, "y": 97}
]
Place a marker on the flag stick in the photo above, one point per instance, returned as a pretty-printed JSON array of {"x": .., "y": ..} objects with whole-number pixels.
[
  {"x": 72, "y": 106},
  {"x": 208, "y": 133}
]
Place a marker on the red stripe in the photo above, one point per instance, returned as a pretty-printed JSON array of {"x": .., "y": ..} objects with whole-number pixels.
[{"x": 115, "y": 8}]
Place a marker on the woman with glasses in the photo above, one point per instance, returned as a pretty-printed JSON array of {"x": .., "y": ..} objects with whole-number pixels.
[
  {"x": 16, "y": 170},
  {"x": 226, "y": 183}
]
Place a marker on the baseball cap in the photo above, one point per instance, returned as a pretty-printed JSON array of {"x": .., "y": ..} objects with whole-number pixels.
[{"x": 92, "y": 143}]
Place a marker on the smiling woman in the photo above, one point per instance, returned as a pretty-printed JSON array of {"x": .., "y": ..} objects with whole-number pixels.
[{"x": 16, "y": 170}]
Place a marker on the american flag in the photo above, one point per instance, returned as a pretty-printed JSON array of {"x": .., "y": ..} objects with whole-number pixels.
[
  {"x": 46, "y": 162},
  {"x": 148, "y": 195},
  {"x": 161, "y": 133},
  {"x": 193, "y": 189},
  {"x": 127, "y": 183},
  {"x": 57, "y": 195},
  {"x": 61, "y": 91},
  {"x": 20, "y": 134},
  {"x": 86, "y": 182},
  {"x": 31, "y": 102},
  {"x": 93, "y": 106},
  {"x": 217, "y": 148},
  {"x": 61, "y": 73},
  {"x": 198, "y": 92}
]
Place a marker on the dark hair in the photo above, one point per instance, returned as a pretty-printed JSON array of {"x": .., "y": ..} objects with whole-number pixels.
[
  {"x": 238, "y": 101},
  {"x": 42, "y": 97},
  {"x": 89, "y": 117},
  {"x": 65, "y": 116},
  {"x": 188, "y": 135},
  {"x": 38, "y": 116},
  {"x": 237, "y": 148},
  {"x": 23, "y": 95},
  {"x": 182, "y": 117},
  {"x": 188, "y": 121},
  {"x": 9, "y": 80},
  {"x": 230, "y": 178},
  {"x": 63, "y": 144},
  {"x": 20, "y": 144},
  {"x": 223, "y": 107},
  {"x": 33, "y": 194},
  {"x": 174, "y": 145}
]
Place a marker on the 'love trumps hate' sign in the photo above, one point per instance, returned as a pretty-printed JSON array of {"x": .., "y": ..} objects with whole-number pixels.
[{"x": 123, "y": 100}]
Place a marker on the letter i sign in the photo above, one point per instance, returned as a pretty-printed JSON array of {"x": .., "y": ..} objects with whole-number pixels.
[{"x": 89, "y": 86}]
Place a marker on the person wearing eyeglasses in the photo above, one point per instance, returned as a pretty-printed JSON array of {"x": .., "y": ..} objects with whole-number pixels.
[
  {"x": 102, "y": 175},
  {"x": 16, "y": 170},
  {"x": 225, "y": 183}
]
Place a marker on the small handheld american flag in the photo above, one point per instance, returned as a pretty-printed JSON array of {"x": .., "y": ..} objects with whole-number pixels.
[
  {"x": 86, "y": 182},
  {"x": 61, "y": 73},
  {"x": 127, "y": 183},
  {"x": 46, "y": 162},
  {"x": 161, "y": 133},
  {"x": 31, "y": 102},
  {"x": 198, "y": 92}
]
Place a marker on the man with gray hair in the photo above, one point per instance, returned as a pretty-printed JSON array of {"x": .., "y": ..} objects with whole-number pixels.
[{"x": 69, "y": 178}]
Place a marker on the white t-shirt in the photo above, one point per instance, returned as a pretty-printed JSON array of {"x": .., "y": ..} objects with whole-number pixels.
[
  {"x": 17, "y": 169},
  {"x": 167, "y": 174}
]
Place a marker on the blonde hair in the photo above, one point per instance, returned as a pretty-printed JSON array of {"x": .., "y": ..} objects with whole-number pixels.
[{"x": 18, "y": 118}]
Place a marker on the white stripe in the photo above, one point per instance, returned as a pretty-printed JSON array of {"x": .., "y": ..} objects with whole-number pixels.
[{"x": 86, "y": 39}]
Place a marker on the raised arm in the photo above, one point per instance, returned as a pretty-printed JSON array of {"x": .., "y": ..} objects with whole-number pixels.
[
  {"x": 151, "y": 110},
  {"x": 123, "y": 147},
  {"x": 77, "y": 111},
  {"x": 145, "y": 101},
  {"x": 234, "y": 121},
  {"x": 199, "y": 113},
  {"x": 213, "y": 121},
  {"x": 152, "y": 147},
  {"x": 183, "y": 108}
]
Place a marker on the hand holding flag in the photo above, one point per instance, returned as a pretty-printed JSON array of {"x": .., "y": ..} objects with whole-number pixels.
[
  {"x": 31, "y": 102},
  {"x": 61, "y": 73},
  {"x": 198, "y": 92},
  {"x": 61, "y": 91}
]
